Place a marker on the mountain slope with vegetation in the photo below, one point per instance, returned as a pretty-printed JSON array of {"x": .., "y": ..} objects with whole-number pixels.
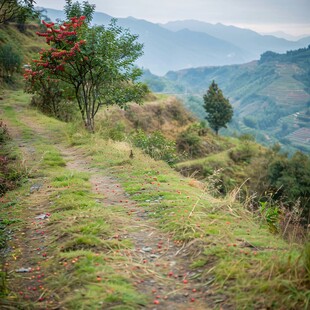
[{"x": 270, "y": 97}]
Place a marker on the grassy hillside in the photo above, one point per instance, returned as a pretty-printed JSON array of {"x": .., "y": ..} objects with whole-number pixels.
[
  {"x": 159, "y": 112},
  {"x": 87, "y": 250},
  {"x": 26, "y": 44},
  {"x": 270, "y": 97}
]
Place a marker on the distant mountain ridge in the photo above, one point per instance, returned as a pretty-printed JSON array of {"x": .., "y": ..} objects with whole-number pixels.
[
  {"x": 186, "y": 44},
  {"x": 248, "y": 40}
]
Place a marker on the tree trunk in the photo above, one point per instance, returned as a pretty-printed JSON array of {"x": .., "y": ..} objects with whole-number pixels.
[{"x": 90, "y": 124}]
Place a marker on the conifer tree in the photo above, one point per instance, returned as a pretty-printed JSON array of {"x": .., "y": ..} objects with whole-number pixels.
[{"x": 218, "y": 108}]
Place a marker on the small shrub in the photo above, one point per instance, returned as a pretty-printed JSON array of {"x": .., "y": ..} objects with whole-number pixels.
[
  {"x": 243, "y": 153},
  {"x": 49, "y": 98},
  {"x": 201, "y": 128},
  {"x": 11, "y": 172},
  {"x": 156, "y": 145},
  {"x": 290, "y": 179},
  {"x": 177, "y": 112},
  {"x": 10, "y": 62},
  {"x": 63, "y": 110},
  {"x": 190, "y": 141},
  {"x": 271, "y": 215},
  {"x": 247, "y": 137},
  {"x": 4, "y": 134}
]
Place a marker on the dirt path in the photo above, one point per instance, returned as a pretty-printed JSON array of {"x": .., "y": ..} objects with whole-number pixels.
[
  {"x": 154, "y": 253},
  {"x": 158, "y": 266},
  {"x": 28, "y": 243}
]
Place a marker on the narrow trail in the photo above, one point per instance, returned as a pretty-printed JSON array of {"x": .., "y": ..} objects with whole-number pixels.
[
  {"x": 154, "y": 253},
  {"x": 26, "y": 251},
  {"x": 158, "y": 267}
]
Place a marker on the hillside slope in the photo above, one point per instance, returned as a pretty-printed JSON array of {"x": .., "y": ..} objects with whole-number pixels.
[
  {"x": 270, "y": 97},
  {"x": 93, "y": 227},
  {"x": 27, "y": 43}
]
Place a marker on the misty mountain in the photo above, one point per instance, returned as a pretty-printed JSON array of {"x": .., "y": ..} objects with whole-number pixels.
[
  {"x": 250, "y": 41},
  {"x": 304, "y": 41},
  {"x": 185, "y": 44},
  {"x": 58, "y": 15},
  {"x": 166, "y": 50},
  {"x": 283, "y": 35}
]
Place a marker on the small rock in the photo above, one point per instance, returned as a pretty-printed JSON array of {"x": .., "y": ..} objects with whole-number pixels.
[
  {"x": 42, "y": 216},
  {"x": 154, "y": 256},
  {"x": 146, "y": 249},
  {"x": 35, "y": 187},
  {"x": 23, "y": 270}
]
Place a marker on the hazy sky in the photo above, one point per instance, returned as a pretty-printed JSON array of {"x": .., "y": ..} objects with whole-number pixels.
[{"x": 290, "y": 16}]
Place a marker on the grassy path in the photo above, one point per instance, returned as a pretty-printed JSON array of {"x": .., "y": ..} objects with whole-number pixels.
[
  {"x": 137, "y": 248},
  {"x": 153, "y": 261},
  {"x": 121, "y": 233}
]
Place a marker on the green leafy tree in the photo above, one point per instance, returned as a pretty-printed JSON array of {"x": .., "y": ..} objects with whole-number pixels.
[
  {"x": 96, "y": 62},
  {"x": 219, "y": 110},
  {"x": 76, "y": 9}
]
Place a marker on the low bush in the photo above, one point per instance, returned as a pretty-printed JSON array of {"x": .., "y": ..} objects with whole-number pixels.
[
  {"x": 156, "y": 145},
  {"x": 190, "y": 142},
  {"x": 242, "y": 153},
  {"x": 49, "y": 98},
  {"x": 63, "y": 110},
  {"x": 10, "y": 62},
  {"x": 4, "y": 133}
]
